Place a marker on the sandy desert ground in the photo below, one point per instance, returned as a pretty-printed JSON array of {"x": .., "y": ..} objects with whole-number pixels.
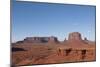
[{"x": 72, "y": 50}]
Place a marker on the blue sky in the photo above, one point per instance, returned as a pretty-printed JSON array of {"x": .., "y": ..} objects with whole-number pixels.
[{"x": 43, "y": 19}]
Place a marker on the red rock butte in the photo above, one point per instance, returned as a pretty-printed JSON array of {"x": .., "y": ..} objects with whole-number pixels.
[
  {"x": 75, "y": 36},
  {"x": 48, "y": 50}
]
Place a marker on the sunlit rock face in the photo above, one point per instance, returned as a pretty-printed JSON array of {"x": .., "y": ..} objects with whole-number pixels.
[
  {"x": 40, "y": 39},
  {"x": 36, "y": 39},
  {"x": 32, "y": 51},
  {"x": 74, "y": 36},
  {"x": 53, "y": 39}
]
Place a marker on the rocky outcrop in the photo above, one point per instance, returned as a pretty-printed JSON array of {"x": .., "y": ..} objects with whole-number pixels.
[
  {"x": 36, "y": 39},
  {"x": 53, "y": 39},
  {"x": 74, "y": 36},
  {"x": 72, "y": 50},
  {"x": 39, "y": 40},
  {"x": 85, "y": 39},
  {"x": 77, "y": 54},
  {"x": 77, "y": 49}
]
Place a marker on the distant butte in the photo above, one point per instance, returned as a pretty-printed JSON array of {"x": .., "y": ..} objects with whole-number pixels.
[
  {"x": 48, "y": 50},
  {"x": 74, "y": 37}
]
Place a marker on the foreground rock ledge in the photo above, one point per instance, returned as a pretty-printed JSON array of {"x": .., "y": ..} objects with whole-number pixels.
[{"x": 53, "y": 51}]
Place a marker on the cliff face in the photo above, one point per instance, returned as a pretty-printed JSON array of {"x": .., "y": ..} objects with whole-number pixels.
[
  {"x": 76, "y": 49},
  {"x": 39, "y": 40},
  {"x": 75, "y": 36},
  {"x": 77, "y": 54},
  {"x": 72, "y": 50}
]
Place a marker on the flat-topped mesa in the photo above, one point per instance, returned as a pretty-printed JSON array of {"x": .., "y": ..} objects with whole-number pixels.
[
  {"x": 53, "y": 39},
  {"x": 40, "y": 39},
  {"x": 36, "y": 39},
  {"x": 74, "y": 36}
]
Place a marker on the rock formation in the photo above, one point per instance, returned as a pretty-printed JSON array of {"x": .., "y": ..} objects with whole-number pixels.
[
  {"x": 74, "y": 36},
  {"x": 72, "y": 50},
  {"x": 53, "y": 39},
  {"x": 36, "y": 39},
  {"x": 39, "y": 40},
  {"x": 65, "y": 40},
  {"x": 85, "y": 39}
]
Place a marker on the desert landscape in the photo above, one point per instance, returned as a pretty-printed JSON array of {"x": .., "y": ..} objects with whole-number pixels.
[{"x": 49, "y": 50}]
